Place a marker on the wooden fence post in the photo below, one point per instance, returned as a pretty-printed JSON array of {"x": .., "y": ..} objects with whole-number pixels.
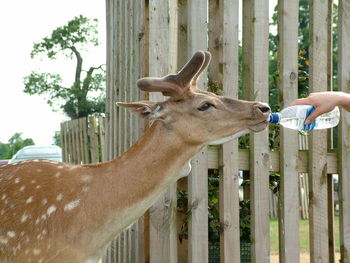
[
  {"x": 319, "y": 251},
  {"x": 197, "y": 35},
  {"x": 229, "y": 180},
  {"x": 162, "y": 60},
  {"x": 344, "y": 130},
  {"x": 288, "y": 77},
  {"x": 259, "y": 148}
]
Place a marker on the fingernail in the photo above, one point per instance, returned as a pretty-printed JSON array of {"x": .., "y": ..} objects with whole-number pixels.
[{"x": 307, "y": 122}]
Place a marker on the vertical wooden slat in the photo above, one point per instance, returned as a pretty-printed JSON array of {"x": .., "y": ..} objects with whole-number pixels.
[
  {"x": 197, "y": 35},
  {"x": 93, "y": 139},
  {"x": 319, "y": 251},
  {"x": 101, "y": 135},
  {"x": 288, "y": 68},
  {"x": 182, "y": 33},
  {"x": 116, "y": 79},
  {"x": 246, "y": 49},
  {"x": 109, "y": 61},
  {"x": 162, "y": 61},
  {"x": 229, "y": 183},
  {"x": 127, "y": 72},
  {"x": 330, "y": 144},
  {"x": 344, "y": 130},
  {"x": 330, "y": 203},
  {"x": 259, "y": 154}
]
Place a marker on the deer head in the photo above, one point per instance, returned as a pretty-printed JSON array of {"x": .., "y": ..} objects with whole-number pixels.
[{"x": 198, "y": 116}]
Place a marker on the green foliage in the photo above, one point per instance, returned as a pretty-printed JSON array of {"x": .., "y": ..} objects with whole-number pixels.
[
  {"x": 57, "y": 138},
  {"x": 15, "y": 143},
  {"x": 85, "y": 96},
  {"x": 77, "y": 33}
]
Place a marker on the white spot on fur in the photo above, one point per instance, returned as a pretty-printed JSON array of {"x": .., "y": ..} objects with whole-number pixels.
[
  {"x": 60, "y": 167},
  {"x": 36, "y": 160},
  {"x": 17, "y": 180},
  {"x": 43, "y": 217},
  {"x": 29, "y": 200},
  {"x": 39, "y": 170},
  {"x": 3, "y": 197},
  {"x": 44, "y": 201},
  {"x": 58, "y": 174},
  {"x": 33, "y": 181},
  {"x": 86, "y": 178},
  {"x": 37, "y": 221},
  {"x": 71, "y": 205},
  {"x": 3, "y": 240},
  {"x": 51, "y": 209},
  {"x": 59, "y": 197},
  {"x": 38, "y": 186},
  {"x": 11, "y": 234},
  {"x": 24, "y": 218},
  {"x": 36, "y": 251},
  {"x": 22, "y": 188}
]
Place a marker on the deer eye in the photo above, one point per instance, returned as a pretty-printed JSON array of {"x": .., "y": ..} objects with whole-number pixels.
[{"x": 205, "y": 106}]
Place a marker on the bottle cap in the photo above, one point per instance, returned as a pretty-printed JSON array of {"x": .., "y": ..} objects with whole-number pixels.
[{"x": 274, "y": 118}]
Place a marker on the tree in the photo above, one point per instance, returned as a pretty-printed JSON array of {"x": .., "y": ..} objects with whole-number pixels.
[
  {"x": 85, "y": 95},
  {"x": 15, "y": 143},
  {"x": 57, "y": 138}
]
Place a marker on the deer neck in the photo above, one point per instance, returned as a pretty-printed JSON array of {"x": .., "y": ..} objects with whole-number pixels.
[
  {"x": 153, "y": 161},
  {"x": 128, "y": 185}
]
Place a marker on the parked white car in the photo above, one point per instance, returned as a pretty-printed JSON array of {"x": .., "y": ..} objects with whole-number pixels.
[{"x": 52, "y": 152}]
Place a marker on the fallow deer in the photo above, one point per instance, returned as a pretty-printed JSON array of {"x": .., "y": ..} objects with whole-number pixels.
[{"x": 58, "y": 213}]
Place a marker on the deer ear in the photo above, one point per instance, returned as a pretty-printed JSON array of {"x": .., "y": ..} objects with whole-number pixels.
[{"x": 141, "y": 108}]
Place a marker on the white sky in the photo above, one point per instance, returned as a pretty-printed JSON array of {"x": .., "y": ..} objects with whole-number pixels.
[{"x": 22, "y": 23}]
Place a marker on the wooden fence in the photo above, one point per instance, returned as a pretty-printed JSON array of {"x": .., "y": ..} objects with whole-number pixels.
[
  {"x": 156, "y": 37},
  {"x": 83, "y": 140}
]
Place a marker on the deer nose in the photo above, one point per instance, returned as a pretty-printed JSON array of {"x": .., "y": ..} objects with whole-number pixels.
[{"x": 264, "y": 108}]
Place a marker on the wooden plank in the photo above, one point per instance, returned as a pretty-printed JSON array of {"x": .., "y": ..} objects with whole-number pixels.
[
  {"x": 76, "y": 142},
  {"x": 101, "y": 136},
  {"x": 247, "y": 42},
  {"x": 344, "y": 130},
  {"x": 162, "y": 61},
  {"x": 330, "y": 203},
  {"x": 330, "y": 142},
  {"x": 93, "y": 140},
  {"x": 197, "y": 28},
  {"x": 127, "y": 73},
  {"x": 259, "y": 154},
  {"x": 319, "y": 251},
  {"x": 229, "y": 181},
  {"x": 288, "y": 68},
  {"x": 182, "y": 56},
  {"x": 109, "y": 59}
]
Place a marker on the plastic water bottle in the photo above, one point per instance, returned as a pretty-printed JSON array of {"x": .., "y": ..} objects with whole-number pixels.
[{"x": 294, "y": 118}]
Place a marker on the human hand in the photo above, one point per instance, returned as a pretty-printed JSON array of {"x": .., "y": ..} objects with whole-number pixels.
[{"x": 322, "y": 101}]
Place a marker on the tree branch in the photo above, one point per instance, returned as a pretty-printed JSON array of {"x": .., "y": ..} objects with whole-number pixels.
[{"x": 79, "y": 64}]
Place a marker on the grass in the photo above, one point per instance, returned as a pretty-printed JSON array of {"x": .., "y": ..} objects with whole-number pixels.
[{"x": 303, "y": 235}]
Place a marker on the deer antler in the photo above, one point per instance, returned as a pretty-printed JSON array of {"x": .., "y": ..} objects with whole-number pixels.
[{"x": 176, "y": 85}]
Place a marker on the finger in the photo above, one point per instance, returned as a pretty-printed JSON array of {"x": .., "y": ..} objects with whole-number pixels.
[
  {"x": 304, "y": 101},
  {"x": 313, "y": 116}
]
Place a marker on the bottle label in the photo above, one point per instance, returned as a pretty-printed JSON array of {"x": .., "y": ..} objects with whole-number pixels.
[{"x": 311, "y": 125}]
